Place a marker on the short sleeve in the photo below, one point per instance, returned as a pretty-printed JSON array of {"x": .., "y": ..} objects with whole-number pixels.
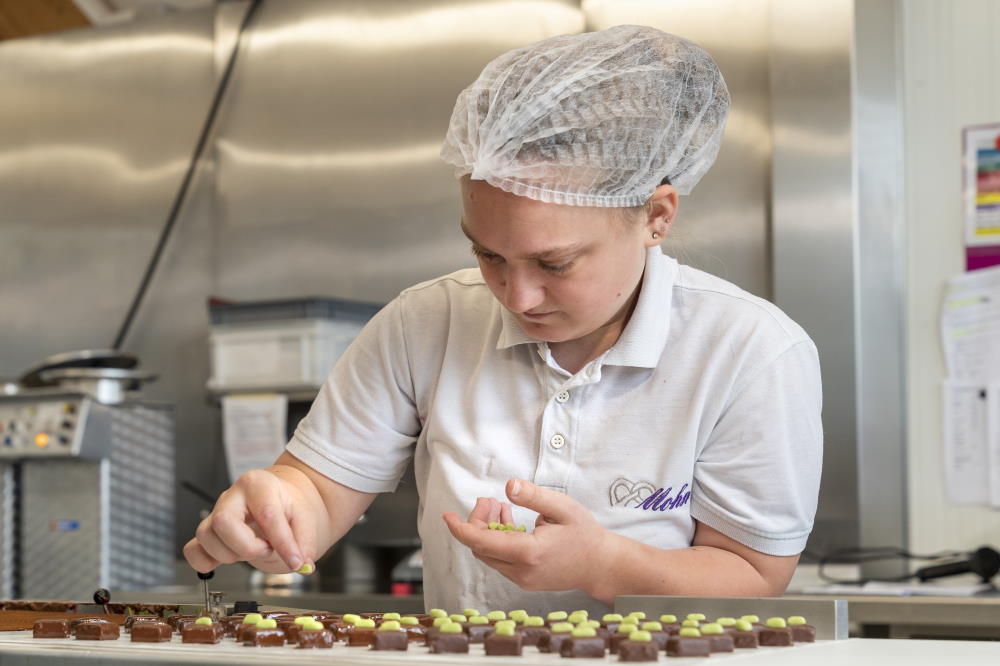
[
  {"x": 757, "y": 477},
  {"x": 362, "y": 426}
]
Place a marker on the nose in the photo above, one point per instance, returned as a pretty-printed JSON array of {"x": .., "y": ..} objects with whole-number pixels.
[{"x": 522, "y": 292}]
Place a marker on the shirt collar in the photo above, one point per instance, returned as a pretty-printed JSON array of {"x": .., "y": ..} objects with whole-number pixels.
[{"x": 641, "y": 343}]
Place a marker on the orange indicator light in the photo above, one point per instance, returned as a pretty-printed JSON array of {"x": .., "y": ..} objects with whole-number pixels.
[{"x": 41, "y": 440}]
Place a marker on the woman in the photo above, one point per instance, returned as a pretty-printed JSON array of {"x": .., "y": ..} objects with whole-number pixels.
[{"x": 659, "y": 426}]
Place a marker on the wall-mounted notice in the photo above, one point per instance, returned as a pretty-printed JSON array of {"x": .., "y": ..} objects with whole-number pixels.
[
  {"x": 981, "y": 184},
  {"x": 970, "y": 332},
  {"x": 253, "y": 431}
]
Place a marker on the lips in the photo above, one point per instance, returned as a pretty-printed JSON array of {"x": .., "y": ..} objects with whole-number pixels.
[{"x": 535, "y": 315}]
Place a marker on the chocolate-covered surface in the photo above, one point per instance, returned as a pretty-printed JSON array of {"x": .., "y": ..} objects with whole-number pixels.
[
  {"x": 637, "y": 650},
  {"x": 132, "y": 620},
  {"x": 76, "y": 622},
  {"x": 683, "y": 646},
  {"x": 721, "y": 642},
  {"x": 257, "y": 637},
  {"x": 614, "y": 640},
  {"x": 416, "y": 633},
  {"x": 206, "y": 634},
  {"x": 151, "y": 632},
  {"x": 175, "y": 620},
  {"x": 582, "y": 647},
  {"x": 444, "y": 643},
  {"x": 775, "y": 636},
  {"x": 390, "y": 640},
  {"x": 744, "y": 639},
  {"x": 531, "y": 635},
  {"x": 478, "y": 632},
  {"x": 497, "y": 645},
  {"x": 313, "y": 638},
  {"x": 803, "y": 633},
  {"x": 659, "y": 638},
  {"x": 552, "y": 642},
  {"x": 97, "y": 631},
  {"x": 51, "y": 628},
  {"x": 291, "y": 631},
  {"x": 359, "y": 636}
]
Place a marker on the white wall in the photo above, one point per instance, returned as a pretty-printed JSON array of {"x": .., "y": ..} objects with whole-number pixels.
[{"x": 951, "y": 78}]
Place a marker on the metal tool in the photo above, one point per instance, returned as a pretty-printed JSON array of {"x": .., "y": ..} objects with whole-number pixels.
[{"x": 205, "y": 577}]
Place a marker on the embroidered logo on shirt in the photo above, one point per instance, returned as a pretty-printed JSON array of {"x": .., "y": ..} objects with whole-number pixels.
[{"x": 644, "y": 495}]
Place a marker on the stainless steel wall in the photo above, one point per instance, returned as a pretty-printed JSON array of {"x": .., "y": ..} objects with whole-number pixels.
[{"x": 323, "y": 176}]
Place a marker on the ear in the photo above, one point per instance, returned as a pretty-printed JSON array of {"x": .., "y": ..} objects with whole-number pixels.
[{"x": 662, "y": 211}]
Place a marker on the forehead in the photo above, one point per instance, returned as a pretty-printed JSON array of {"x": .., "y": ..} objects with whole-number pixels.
[{"x": 493, "y": 215}]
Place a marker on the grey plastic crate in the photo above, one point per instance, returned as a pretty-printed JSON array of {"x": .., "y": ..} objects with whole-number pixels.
[{"x": 313, "y": 307}]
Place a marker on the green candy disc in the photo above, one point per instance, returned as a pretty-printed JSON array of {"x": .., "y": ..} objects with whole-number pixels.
[
  {"x": 203, "y": 620},
  {"x": 390, "y": 625},
  {"x": 576, "y": 618},
  {"x": 562, "y": 628},
  {"x": 639, "y": 614},
  {"x": 469, "y": 612},
  {"x": 611, "y": 617},
  {"x": 750, "y": 618},
  {"x": 350, "y": 618},
  {"x": 690, "y": 623},
  {"x": 451, "y": 628},
  {"x": 518, "y": 615},
  {"x": 252, "y": 618},
  {"x": 391, "y": 616},
  {"x": 776, "y": 622},
  {"x": 584, "y": 632},
  {"x": 696, "y": 616},
  {"x": 557, "y": 615},
  {"x": 640, "y": 637},
  {"x": 534, "y": 621},
  {"x": 652, "y": 626},
  {"x": 441, "y": 621},
  {"x": 627, "y": 628},
  {"x": 712, "y": 628},
  {"x": 495, "y": 615},
  {"x": 478, "y": 620},
  {"x": 304, "y": 619},
  {"x": 796, "y": 621},
  {"x": 409, "y": 621},
  {"x": 503, "y": 629},
  {"x": 690, "y": 632},
  {"x": 726, "y": 621},
  {"x": 267, "y": 623},
  {"x": 510, "y": 624},
  {"x": 437, "y": 612},
  {"x": 455, "y": 617},
  {"x": 743, "y": 625},
  {"x": 313, "y": 626},
  {"x": 631, "y": 619},
  {"x": 365, "y": 623},
  {"x": 668, "y": 619}
]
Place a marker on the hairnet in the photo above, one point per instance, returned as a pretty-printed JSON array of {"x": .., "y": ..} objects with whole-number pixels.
[{"x": 595, "y": 119}]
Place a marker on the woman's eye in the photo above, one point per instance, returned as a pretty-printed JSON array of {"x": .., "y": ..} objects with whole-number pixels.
[
  {"x": 553, "y": 268},
  {"x": 485, "y": 256}
]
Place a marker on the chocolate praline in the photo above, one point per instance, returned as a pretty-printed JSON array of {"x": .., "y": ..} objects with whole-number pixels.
[
  {"x": 206, "y": 634},
  {"x": 359, "y": 636},
  {"x": 315, "y": 638},
  {"x": 720, "y": 642},
  {"x": 684, "y": 646},
  {"x": 552, "y": 641},
  {"x": 582, "y": 647},
  {"x": 637, "y": 651},
  {"x": 775, "y": 637},
  {"x": 258, "y": 637},
  {"x": 151, "y": 632},
  {"x": 744, "y": 639},
  {"x": 497, "y": 645},
  {"x": 50, "y": 628},
  {"x": 390, "y": 640},
  {"x": 531, "y": 635},
  {"x": 97, "y": 631},
  {"x": 803, "y": 633},
  {"x": 446, "y": 643}
]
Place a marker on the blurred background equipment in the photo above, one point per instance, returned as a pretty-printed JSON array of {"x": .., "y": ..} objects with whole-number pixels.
[{"x": 86, "y": 479}]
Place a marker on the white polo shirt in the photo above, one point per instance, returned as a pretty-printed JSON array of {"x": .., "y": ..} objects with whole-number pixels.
[{"x": 707, "y": 408}]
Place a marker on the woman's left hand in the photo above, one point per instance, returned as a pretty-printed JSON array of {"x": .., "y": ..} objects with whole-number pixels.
[{"x": 566, "y": 551}]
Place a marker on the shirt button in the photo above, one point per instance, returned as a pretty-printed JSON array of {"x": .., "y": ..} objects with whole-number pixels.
[
  {"x": 562, "y": 396},
  {"x": 557, "y": 441}
]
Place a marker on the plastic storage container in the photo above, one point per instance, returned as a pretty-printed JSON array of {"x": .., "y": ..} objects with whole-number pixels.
[{"x": 281, "y": 345}]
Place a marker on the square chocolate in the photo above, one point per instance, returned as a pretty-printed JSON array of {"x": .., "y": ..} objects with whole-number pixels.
[
  {"x": 587, "y": 648},
  {"x": 445, "y": 643},
  {"x": 744, "y": 639},
  {"x": 478, "y": 632},
  {"x": 531, "y": 635},
  {"x": 503, "y": 646},
  {"x": 258, "y": 637},
  {"x": 359, "y": 636},
  {"x": 151, "y": 632},
  {"x": 50, "y": 628},
  {"x": 637, "y": 651},
  {"x": 206, "y": 634},
  {"x": 101, "y": 630},
  {"x": 552, "y": 641},
  {"x": 685, "y": 646},
  {"x": 313, "y": 638},
  {"x": 720, "y": 642},
  {"x": 775, "y": 636},
  {"x": 803, "y": 633},
  {"x": 390, "y": 640}
]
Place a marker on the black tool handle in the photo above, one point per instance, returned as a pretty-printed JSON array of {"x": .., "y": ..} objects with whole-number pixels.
[{"x": 206, "y": 576}]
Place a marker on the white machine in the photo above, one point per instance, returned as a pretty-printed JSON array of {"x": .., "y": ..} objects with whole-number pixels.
[{"x": 86, "y": 480}]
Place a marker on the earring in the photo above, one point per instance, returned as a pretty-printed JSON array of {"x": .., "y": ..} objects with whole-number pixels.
[{"x": 656, "y": 234}]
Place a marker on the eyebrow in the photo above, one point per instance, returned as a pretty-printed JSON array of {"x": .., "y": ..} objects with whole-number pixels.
[{"x": 544, "y": 254}]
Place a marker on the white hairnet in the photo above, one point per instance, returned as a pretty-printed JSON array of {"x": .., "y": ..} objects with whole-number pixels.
[{"x": 595, "y": 119}]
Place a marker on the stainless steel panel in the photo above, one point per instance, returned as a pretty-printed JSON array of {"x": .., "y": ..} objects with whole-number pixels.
[
  {"x": 723, "y": 226},
  {"x": 814, "y": 229},
  {"x": 881, "y": 287},
  {"x": 64, "y": 526},
  {"x": 8, "y": 531}
]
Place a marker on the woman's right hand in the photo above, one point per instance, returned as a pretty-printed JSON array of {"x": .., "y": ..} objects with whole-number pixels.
[{"x": 264, "y": 519}]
